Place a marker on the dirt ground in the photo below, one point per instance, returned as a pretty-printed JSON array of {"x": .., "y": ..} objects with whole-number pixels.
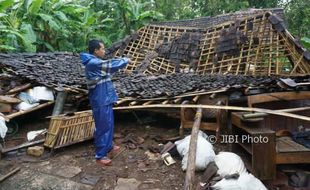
[
  {"x": 74, "y": 166},
  {"x": 138, "y": 166}
]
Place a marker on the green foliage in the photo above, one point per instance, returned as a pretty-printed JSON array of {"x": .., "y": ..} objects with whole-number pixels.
[
  {"x": 306, "y": 42},
  {"x": 297, "y": 13},
  {"x": 67, "y": 25}
]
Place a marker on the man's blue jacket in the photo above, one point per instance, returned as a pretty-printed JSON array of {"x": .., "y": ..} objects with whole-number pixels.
[{"x": 98, "y": 74}]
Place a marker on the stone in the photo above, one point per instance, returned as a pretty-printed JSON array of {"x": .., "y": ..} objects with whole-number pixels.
[
  {"x": 127, "y": 184},
  {"x": 66, "y": 171},
  {"x": 35, "y": 151},
  {"x": 28, "y": 179}
]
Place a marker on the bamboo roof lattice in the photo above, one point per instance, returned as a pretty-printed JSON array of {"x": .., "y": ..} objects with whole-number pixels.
[{"x": 255, "y": 45}]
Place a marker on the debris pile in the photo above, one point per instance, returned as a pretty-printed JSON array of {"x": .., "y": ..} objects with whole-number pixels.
[
  {"x": 143, "y": 86},
  {"x": 181, "y": 49},
  {"x": 49, "y": 69}
]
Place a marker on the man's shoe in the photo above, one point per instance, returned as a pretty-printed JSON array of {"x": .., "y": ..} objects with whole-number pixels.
[
  {"x": 105, "y": 161},
  {"x": 115, "y": 150}
]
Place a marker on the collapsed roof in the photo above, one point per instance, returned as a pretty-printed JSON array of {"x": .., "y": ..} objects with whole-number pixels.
[{"x": 254, "y": 45}]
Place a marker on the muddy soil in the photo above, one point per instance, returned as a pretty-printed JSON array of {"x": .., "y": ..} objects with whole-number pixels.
[{"x": 137, "y": 166}]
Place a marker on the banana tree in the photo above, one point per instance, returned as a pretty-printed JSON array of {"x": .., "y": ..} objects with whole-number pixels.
[
  {"x": 16, "y": 33},
  {"x": 132, "y": 14}
]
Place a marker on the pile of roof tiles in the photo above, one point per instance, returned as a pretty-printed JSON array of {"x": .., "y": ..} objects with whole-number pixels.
[
  {"x": 49, "y": 69},
  {"x": 143, "y": 86},
  {"x": 181, "y": 49},
  {"x": 61, "y": 69}
]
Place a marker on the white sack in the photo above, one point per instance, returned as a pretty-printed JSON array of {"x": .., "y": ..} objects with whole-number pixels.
[
  {"x": 245, "y": 181},
  {"x": 229, "y": 163},
  {"x": 3, "y": 127},
  {"x": 32, "y": 134},
  {"x": 25, "y": 106},
  {"x": 42, "y": 93},
  {"x": 204, "y": 152}
]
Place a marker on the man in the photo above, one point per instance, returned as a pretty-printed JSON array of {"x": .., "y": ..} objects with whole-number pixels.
[{"x": 102, "y": 95}]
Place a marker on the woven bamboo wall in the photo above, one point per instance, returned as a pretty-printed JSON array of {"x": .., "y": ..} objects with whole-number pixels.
[{"x": 267, "y": 51}]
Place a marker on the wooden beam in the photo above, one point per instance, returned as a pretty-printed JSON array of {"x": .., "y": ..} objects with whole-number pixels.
[
  {"x": 24, "y": 145},
  {"x": 277, "y": 96},
  {"x": 11, "y": 116},
  {"x": 236, "y": 108},
  {"x": 191, "y": 161},
  {"x": 293, "y": 157},
  {"x": 19, "y": 88},
  {"x": 9, "y": 100}
]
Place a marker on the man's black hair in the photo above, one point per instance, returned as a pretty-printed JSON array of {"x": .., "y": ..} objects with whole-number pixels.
[{"x": 93, "y": 45}]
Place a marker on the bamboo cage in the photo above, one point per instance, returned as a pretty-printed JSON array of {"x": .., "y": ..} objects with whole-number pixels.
[
  {"x": 266, "y": 52},
  {"x": 66, "y": 130}
]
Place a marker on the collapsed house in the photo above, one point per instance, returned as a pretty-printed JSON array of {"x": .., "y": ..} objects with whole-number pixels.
[{"x": 214, "y": 61}]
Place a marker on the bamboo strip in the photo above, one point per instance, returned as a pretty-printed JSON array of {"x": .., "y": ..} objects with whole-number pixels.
[
  {"x": 274, "y": 112},
  {"x": 270, "y": 52},
  {"x": 296, "y": 64},
  {"x": 148, "y": 102},
  {"x": 242, "y": 48},
  {"x": 259, "y": 46},
  {"x": 165, "y": 102}
]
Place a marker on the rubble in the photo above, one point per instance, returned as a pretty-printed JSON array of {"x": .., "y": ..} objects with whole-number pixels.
[
  {"x": 48, "y": 69},
  {"x": 183, "y": 50},
  {"x": 143, "y": 86}
]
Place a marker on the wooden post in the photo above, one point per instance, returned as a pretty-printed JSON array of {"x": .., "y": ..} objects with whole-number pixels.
[
  {"x": 183, "y": 119},
  {"x": 191, "y": 161},
  {"x": 60, "y": 101}
]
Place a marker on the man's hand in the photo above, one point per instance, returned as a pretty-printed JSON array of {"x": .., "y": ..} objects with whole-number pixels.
[{"x": 129, "y": 61}]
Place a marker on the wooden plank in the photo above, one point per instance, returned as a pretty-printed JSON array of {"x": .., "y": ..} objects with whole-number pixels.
[
  {"x": 293, "y": 158},
  {"x": 286, "y": 145},
  {"x": 256, "y": 127},
  {"x": 277, "y": 96},
  {"x": 264, "y": 157},
  {"x": 9, "y": 100}
]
